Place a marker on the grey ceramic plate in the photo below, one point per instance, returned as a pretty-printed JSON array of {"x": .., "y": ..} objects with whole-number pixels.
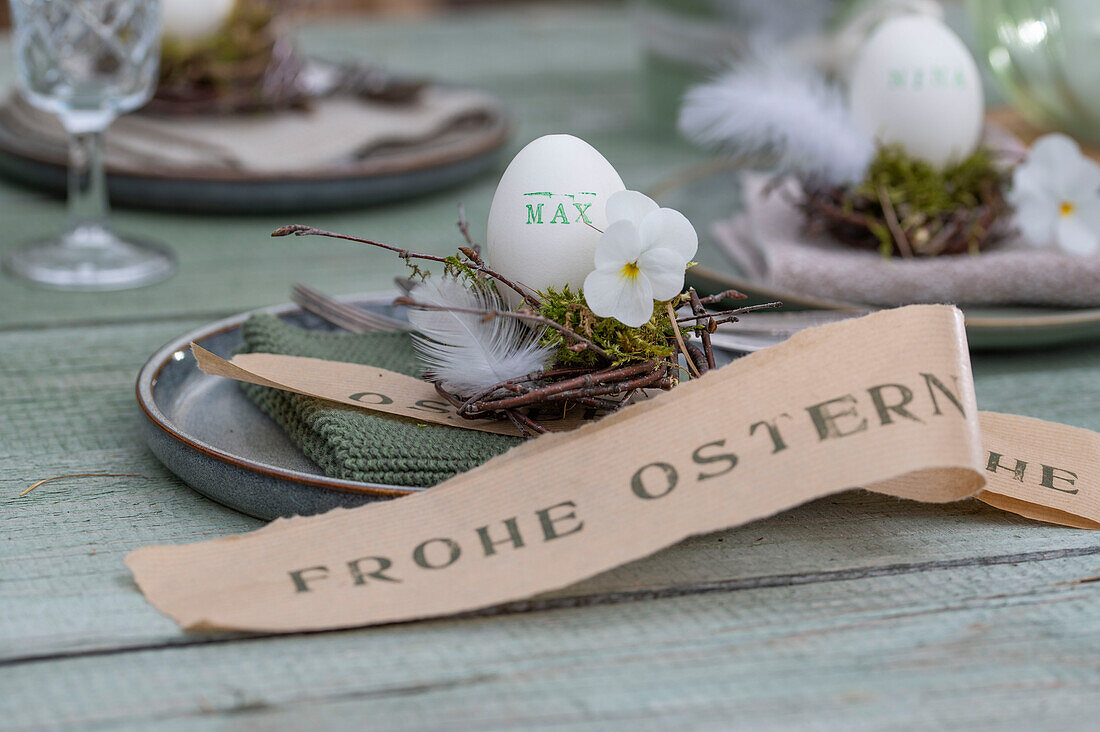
[
  {"x": 212, "y": 437},
  {"x": 219, "y": 443},
  {"x": 710, "y": 193},
  {"x": 442, "y": 162}
]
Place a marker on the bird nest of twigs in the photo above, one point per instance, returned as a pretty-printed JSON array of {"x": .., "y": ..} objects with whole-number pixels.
[
  {"x": 248, "y": 65},
  {"x": 908, "y": 208},
  {"x": 604, "y": 386},
  {"x": 600, "y": 365},
  {"x": 252, "y": 65}
]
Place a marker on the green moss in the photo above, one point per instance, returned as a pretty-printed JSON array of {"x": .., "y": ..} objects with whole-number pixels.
[
  {"x": 457, "y": 268},
  {"x": 918, "y": 186},
  {"x": 626, "y": 345}
]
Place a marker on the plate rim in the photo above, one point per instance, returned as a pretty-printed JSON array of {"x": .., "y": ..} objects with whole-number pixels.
[
  {"x": 1074, "y": 316},
  {"x": 152, "y": 367}
]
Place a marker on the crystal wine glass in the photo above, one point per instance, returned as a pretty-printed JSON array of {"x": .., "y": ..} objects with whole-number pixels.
[{"x": 88, "y": 61}]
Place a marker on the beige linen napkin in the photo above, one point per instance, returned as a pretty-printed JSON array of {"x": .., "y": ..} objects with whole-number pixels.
[
  {"x": 769, "y": 242},
  {"x": 333, "y": 131}
]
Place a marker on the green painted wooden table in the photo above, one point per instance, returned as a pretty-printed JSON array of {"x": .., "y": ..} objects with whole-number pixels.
[{"x": 855, "y": 612}]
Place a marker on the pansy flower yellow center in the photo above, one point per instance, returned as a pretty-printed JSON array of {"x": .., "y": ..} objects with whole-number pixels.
[
  {"x": 1067, "y": 208},
  {"x": 630, "y": 270}
]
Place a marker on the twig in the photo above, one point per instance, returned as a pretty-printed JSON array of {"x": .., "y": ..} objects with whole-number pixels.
[
  {"x": 532, "y": 377},
  {"x": 696, "y": 356},
  {"x": 963, "y": 228},
  {"x": 477, "y": 264},
  {"x": 939, "y": 242},
  {"x": 303, "y": 230},
  {"x": 724, "y": 295},
  {"x": 680, "y": 340},
  {"x": 577, "y": 386},
  {"x": 464, "y": 227},
  {"x": 734, "y": 312},
  {"x": 588, "y": 389},
  {"x": 523, "y": 431},
  {"x": 640, "y": 382},
  {"x": 525, "y": 424},
  {"x": 711, "y": 325},
  {"x": 892, "y": 222},
  {"x": 609, "y": 405},
  {"x": 81, "y": 475},
  {"x": 838, "y": 213}
]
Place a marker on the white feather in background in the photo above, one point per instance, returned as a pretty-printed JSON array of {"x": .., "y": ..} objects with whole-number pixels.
[
  {"x": 468, "y": 353},
  {"x": 778, "y": 107}
]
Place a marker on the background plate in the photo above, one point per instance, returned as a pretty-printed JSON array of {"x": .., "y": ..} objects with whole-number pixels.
[
  {"x": 442, "y": 162},
  {"x": 208, "y": 433},
  {"x": 709, "y": 193}
]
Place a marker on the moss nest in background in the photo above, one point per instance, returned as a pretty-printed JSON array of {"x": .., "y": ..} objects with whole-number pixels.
[
  {"x": 245, "y": 37},
  {"x": 910, "y": 208},
  {"x": 243, "y": 67}
]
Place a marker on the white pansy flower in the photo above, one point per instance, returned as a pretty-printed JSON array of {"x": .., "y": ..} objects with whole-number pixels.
[
  {"x": 640, "y": 257},
  {"x": 1056, "y": 194}
]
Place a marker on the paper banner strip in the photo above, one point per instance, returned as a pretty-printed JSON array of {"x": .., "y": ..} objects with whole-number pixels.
[
  {"x": 365, "y": 387},
  {"x": 1042, "y": 470},
  {"x": 884, "y": 402}
]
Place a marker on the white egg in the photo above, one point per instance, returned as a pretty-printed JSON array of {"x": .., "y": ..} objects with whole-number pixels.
[
  {"x": 541, "y": 222},
  {"x": 915, "y": 84},
  {"x": 194, "y": 20}
]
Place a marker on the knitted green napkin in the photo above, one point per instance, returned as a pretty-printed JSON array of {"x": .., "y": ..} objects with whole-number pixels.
[{"x": 354, "y": 444}]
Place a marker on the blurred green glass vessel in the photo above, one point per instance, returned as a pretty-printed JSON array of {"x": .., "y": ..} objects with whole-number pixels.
[{"x": 1045, "y": 57}]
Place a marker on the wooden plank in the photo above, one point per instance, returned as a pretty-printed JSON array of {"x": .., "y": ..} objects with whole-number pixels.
[
  {"x": 855, "y": 612},
  {"x": 66, "y": 406},
  {"x": 982, "y": 646}
]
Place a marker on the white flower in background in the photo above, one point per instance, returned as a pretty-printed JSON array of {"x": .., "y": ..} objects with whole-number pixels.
[
  {"x": 194, "y": 20},
  {"x": 1056, "y": 194},
  {"x": 640, "y": 257}
]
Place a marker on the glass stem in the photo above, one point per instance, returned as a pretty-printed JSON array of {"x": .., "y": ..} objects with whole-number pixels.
[{"x": 88, "y": 206}]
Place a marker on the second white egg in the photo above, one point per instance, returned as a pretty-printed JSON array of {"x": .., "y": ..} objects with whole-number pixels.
[{"x": 915, "y": 84}]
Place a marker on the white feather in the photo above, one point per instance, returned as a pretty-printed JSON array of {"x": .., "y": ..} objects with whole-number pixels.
[
  {"x": 775, "y": 106},
  {"x": 466, "y": 352}
]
